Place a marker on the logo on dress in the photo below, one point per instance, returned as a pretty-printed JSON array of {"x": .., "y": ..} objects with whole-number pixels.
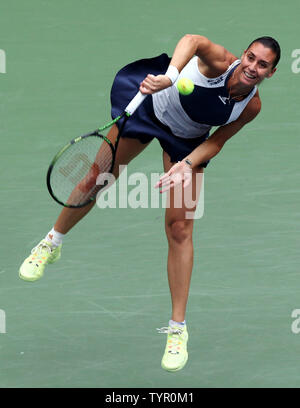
[
  {"x": 215, "y": 81},
  {"x": 224, "y": 99}
]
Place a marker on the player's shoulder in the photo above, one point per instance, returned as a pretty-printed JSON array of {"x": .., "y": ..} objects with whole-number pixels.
[
  {"x": 216, "y": 62},
  {"x": 230, "y": 58},
  {"x": 252, "y": 109}
]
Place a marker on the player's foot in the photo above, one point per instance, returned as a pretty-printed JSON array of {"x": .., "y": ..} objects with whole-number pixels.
[
  {"x": 33, "y": 267},
  {"x": 176, "y": 355}
]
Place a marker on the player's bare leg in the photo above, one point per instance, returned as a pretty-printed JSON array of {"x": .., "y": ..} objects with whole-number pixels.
[
  {"x": 127, "y": 150},
  {"x": 179, "y": 231},
  {"x": 49, "y": 249}
]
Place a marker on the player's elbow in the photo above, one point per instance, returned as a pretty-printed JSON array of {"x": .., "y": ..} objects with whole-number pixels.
[
  {"x": 217, "y": 148},
  {"x": 213, "y": 148},
  {"x": 217, "y": 145},
  {"x": 196, "y": 41}
]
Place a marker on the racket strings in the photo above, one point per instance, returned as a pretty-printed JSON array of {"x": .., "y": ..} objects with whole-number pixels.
[{"x": 74, "y": 176}]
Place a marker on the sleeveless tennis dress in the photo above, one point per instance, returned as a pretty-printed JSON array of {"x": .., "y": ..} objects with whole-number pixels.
[{"x": 179, "y": 122}]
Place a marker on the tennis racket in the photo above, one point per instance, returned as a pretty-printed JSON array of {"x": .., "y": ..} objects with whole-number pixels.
[{"x": 73, "y": 172}]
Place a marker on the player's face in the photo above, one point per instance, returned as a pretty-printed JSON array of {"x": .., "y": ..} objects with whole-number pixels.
[{"x": 256, "y": 64}]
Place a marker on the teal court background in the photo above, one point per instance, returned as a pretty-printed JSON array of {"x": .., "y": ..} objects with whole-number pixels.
[{"x": 91, "y": 321}]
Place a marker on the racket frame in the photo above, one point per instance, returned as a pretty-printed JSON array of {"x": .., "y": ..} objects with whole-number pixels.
[
  {"x": 128, "y": 112},
  {"x": 78, "y": 139}
]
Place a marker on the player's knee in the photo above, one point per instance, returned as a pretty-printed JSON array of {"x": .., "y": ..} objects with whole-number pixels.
[{"x": 179, "y": 231}]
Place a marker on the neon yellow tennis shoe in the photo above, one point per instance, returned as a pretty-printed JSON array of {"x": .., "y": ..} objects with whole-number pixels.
[
  {"x": 176, "y": 355},
  {"x": 33, "y": 267}
]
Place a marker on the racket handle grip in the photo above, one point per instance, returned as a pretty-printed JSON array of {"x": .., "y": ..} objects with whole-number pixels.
[{"x": 135, "y": 103}]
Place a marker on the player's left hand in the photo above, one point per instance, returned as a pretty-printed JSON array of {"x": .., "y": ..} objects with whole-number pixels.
[
  {"x": 179, "y": 173},
  {"x": 152, "y": 83}
]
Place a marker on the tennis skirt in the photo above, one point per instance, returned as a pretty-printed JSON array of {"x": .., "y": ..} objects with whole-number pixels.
[{"x": 144, "y": 125}]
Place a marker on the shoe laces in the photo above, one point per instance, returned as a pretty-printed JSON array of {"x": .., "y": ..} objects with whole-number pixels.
[
  {"x": 41, "y": 246},
  {"x": 175, "y": 341},
  {"x": 170, "y": 330}
]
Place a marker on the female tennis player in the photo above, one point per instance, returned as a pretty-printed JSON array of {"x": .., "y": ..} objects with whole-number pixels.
[{"x": 226, "y": 96}]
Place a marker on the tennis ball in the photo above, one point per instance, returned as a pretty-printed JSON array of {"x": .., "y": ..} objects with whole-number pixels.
[{"x": 185, "y": 86}]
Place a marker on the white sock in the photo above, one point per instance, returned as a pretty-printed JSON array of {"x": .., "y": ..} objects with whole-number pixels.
[
  {"x": 172, "y": 323},
  {"x": 54, "y": 237}
]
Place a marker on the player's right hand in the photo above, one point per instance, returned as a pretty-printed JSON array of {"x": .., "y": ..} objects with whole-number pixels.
[{"x": 152, "y": 83}]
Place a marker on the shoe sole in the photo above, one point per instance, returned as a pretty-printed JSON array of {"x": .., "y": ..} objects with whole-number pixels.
[
  {"x": 173, "y": 370},
  {"x": 25, "y": 278},
  {"x": 28, "y": 279}
]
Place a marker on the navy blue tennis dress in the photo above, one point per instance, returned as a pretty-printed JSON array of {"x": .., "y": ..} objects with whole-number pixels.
[{"x": 179, "y": 122}]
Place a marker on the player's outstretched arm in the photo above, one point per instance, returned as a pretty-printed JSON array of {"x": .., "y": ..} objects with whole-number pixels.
[
  {"x": 208, "y": 149},
  {"x": 212, "y": 55},
  {"x": 213, "y": 145}
]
